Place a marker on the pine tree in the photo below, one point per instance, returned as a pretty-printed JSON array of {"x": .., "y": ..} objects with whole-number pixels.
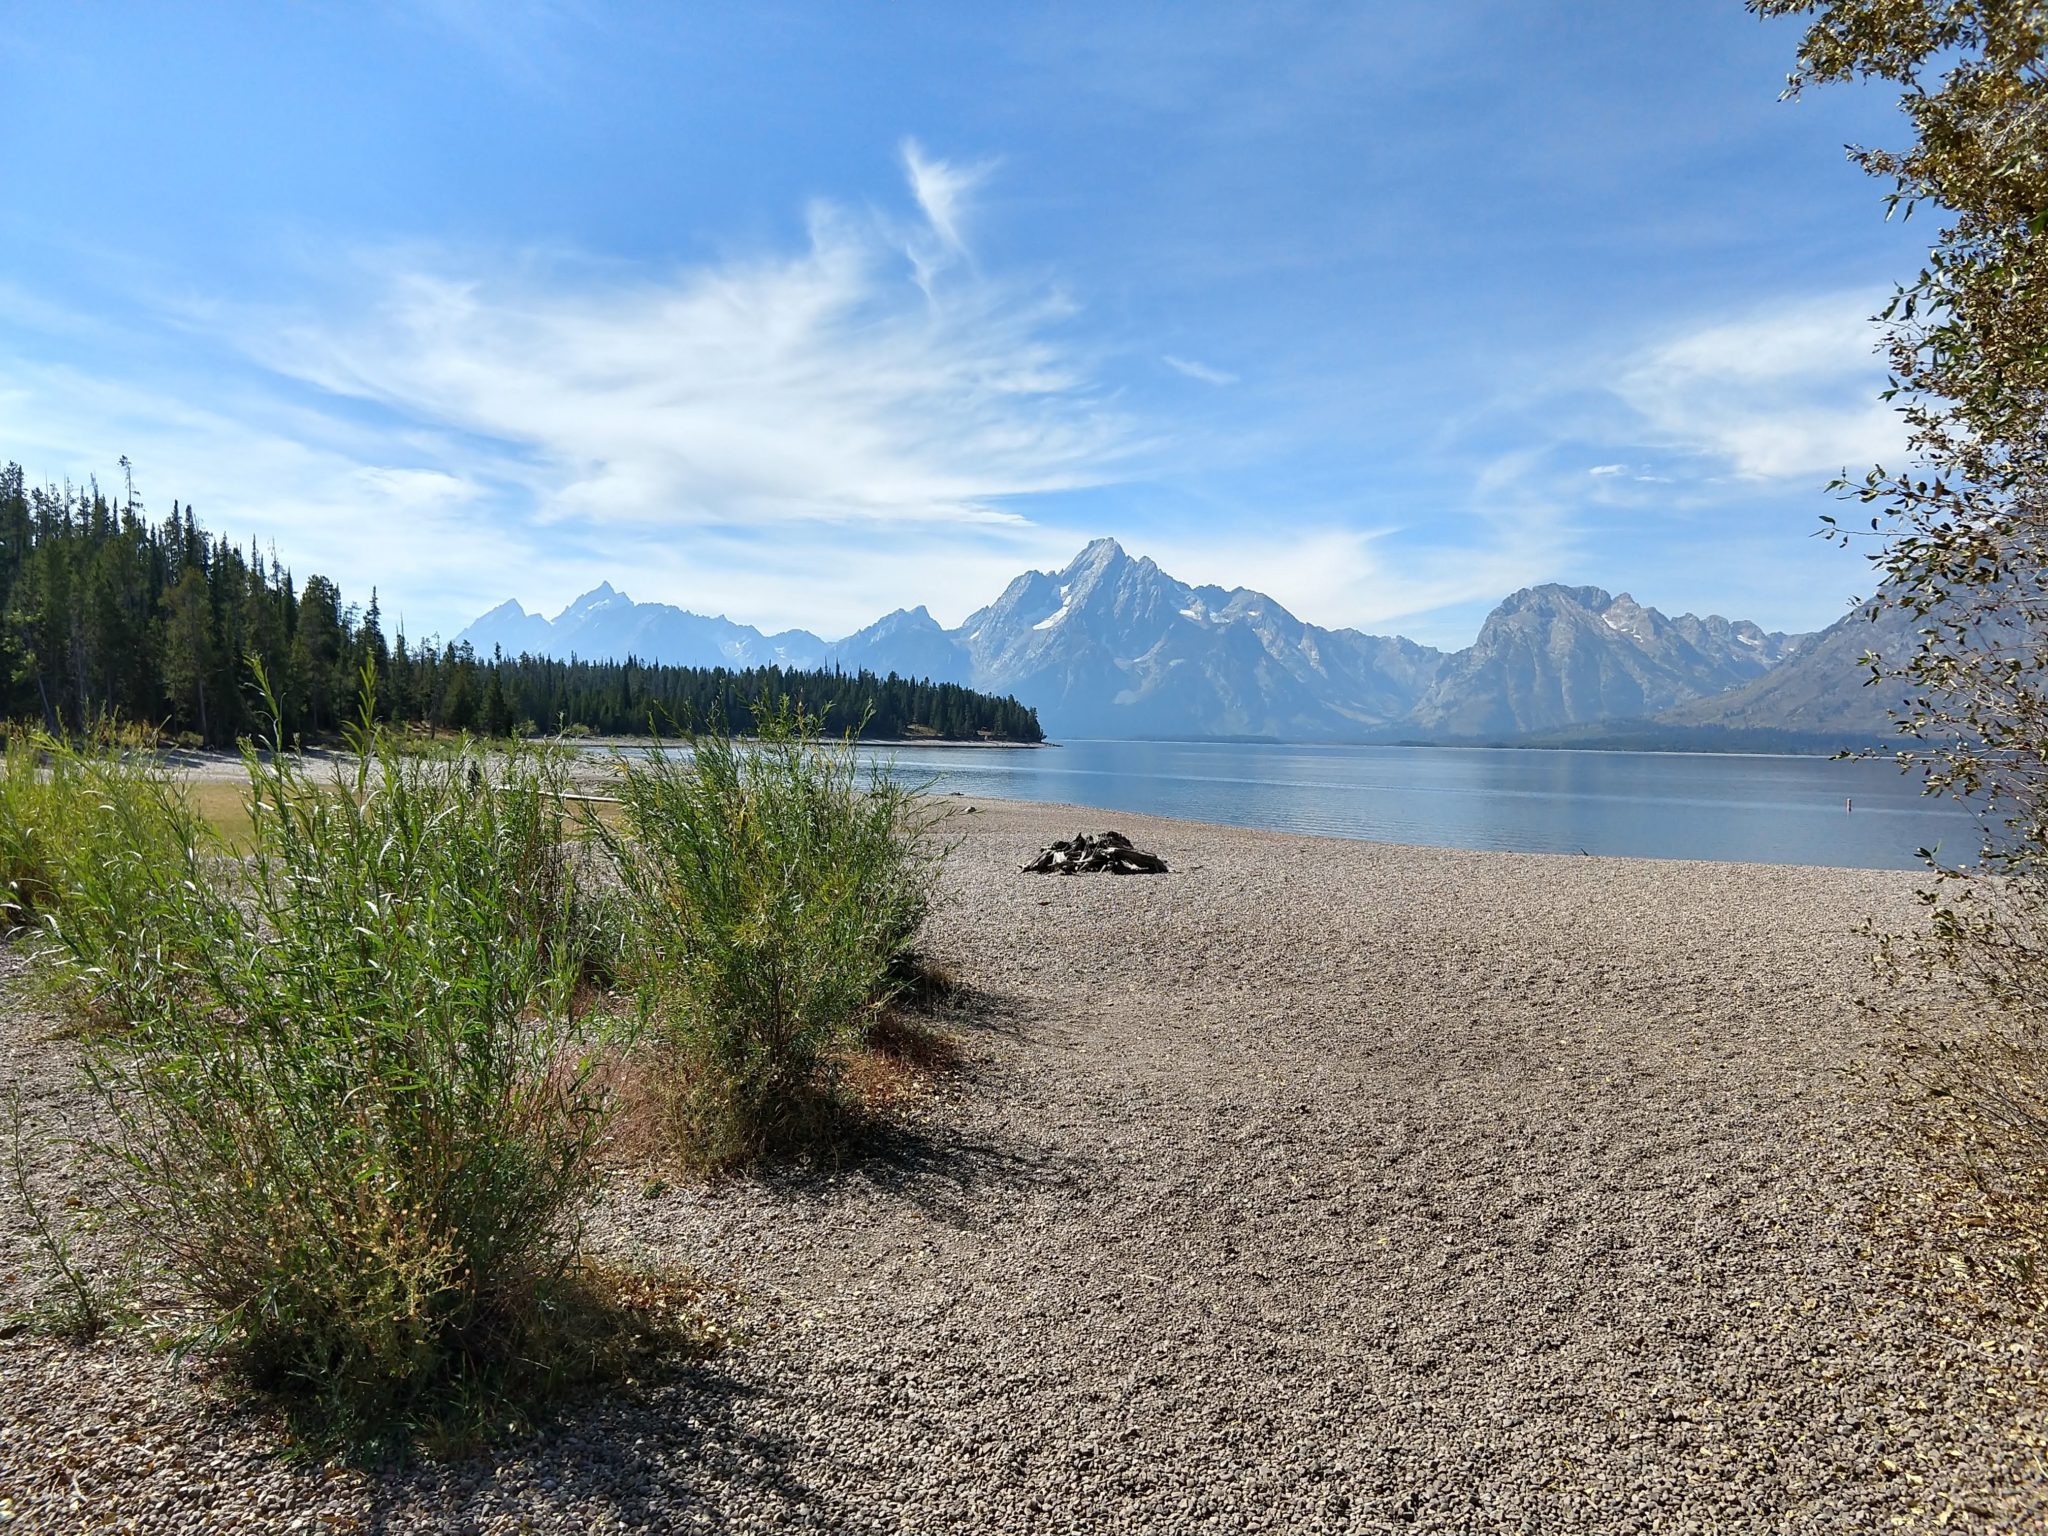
[{"x": 188, "y": 648}]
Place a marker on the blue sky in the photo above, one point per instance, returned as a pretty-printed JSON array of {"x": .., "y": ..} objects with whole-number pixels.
[{"x": 804, "y": 312}]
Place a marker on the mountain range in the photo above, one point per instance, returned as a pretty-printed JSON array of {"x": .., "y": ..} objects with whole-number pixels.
[{"x": 1112, "y": 645}]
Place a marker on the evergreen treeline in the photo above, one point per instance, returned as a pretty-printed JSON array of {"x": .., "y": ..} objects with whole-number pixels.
[
  {"x": 621, "y": 697},
  {"x": 105, "y": 613}
]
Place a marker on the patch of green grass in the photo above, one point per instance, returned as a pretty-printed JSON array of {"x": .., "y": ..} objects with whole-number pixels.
[
  {"x": 91, "y": 839},
  {"x": 223, "y": 806}
]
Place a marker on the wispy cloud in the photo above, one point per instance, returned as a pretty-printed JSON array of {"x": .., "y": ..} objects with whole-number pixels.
[
  {"x": 1787, "y": 391},
  {"x": 1318, "y": 574},
  {"x": 523, "y": 40},
  {"x": 1200, "y": 372},
  {"x": 330, "y": 498},
  {"x": 1420, "y": 574},
  {"x": 1384, "y": 580},
  {"x": 942, "y": 189},
  {"x": 816, "y": 387}
]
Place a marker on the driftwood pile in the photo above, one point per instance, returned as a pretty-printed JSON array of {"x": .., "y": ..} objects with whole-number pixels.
[{"x": 1104, "y": 853}]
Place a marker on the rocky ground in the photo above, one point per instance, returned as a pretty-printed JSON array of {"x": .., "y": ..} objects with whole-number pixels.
[{"x": 1314, "y": 1186}]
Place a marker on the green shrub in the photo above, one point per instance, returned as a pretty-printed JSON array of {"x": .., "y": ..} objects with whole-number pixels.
[
  {"x": 38, "y": 808},
  {"x": 89, "y": 837},
  {"x": 771, "y": 886},
  {"x": 346, "y": 1104}
]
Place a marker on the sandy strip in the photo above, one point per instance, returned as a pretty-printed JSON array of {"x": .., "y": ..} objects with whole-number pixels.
[{"x": 1317, "y": 1186}]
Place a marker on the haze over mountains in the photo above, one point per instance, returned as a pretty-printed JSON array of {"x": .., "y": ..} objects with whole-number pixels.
[{"x": 1114, "y": 646}]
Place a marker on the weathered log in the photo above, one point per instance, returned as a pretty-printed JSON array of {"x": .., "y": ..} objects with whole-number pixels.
[{"x": 1094, "y": 854}]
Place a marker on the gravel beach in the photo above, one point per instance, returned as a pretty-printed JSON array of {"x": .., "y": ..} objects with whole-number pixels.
[{"x": 1315, "y": 1186}]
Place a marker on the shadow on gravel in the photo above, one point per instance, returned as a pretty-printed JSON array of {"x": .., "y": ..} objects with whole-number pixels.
[
  {"x": 944, "y": 1170},
  {"x": 698, "y": 1450},
  {"x": 950, "y": 1176},
  {"x": 960, "y": 1005}
]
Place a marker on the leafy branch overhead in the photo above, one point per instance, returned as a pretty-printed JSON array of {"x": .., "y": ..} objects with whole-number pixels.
[
  {"x": 1963, "y": 525},
  {"x": 1962, "y": 550}
]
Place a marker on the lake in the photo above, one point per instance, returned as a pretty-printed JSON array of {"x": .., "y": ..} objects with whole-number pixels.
[{"x": 1779, "y": 810}]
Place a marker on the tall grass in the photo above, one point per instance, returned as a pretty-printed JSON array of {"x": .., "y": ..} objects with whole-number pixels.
[
  {"x": 347, "y": 1102},
  {"x": 773, "y": 888},
  {"x": 65, "y": 806}
]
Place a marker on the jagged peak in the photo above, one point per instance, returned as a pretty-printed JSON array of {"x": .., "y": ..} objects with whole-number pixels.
[
  {"x": 1629, "y": 609},
  {"x": 603, "y": 592},
  {"x": 899, "y": 618},
  {"x": 1596, "y": 598},
  {"x": 1098, "y": 555}
]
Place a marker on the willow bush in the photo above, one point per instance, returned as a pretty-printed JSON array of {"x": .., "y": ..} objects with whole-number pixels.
[
  {"x": 348, "y": 1105},
  {"x": 67, "y": 807},
  {"x": 773, "y": 887}
]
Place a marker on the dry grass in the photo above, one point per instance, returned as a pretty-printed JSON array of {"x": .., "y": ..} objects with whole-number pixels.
[
  {"x": 597, "y": 1326},
  {"x": 1959, "y": 1200},
  {"x": 617, "y": 1321},
  {"x": 1966, "y": 1214},
  {"x": 923, "y": 983},
  {"x": 638, "y": 1135},
  {"x": 900, "y": 1063},
  {"x": 1974, "y": 1108}
]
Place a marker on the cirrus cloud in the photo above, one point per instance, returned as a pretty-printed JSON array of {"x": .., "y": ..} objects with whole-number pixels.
[
  {"x": 825, "y": 386},
  {"x": 1784, "y": 391},
  {"x": 1200, "y": 372}
]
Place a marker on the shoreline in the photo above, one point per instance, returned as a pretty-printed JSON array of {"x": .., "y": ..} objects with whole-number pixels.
[
  {"x": 593, "y": 770},
  {"x": 1094, "y": 818},
  {"x": 599, "y": 743}
]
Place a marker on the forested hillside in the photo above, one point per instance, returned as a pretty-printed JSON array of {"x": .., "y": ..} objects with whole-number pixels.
[{"x": 106, "y": 613}]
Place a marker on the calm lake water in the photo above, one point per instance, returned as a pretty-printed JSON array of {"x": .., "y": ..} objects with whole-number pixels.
[{"x": 1780, "y": 810}]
